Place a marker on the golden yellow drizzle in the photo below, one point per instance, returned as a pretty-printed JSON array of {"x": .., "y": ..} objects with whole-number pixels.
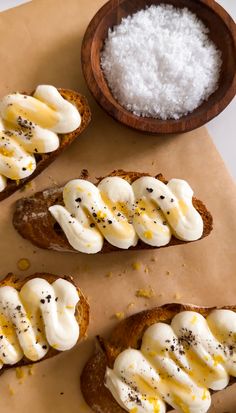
[
  {"x": 134, "y": 410},
  {"x": 6, "y": 152},
  {"x": 41, "y": 114},
  {"x": 23, "y": 264},
  {"x": 148, "y": 234}
]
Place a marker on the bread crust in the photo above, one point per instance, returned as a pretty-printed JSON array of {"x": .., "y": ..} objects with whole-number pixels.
[
  {"x": 127, "y": 334},
  {"x": 35, "y": 223},
  {"x": 44, "y": 160},
  {"x": 81, "y": 312}
]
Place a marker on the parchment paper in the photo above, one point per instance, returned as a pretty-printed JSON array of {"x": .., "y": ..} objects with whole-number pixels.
[{"x": 40, "y": 43}]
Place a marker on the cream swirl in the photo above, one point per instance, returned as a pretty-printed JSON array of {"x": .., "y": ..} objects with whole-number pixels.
[
  {"x": 121, "y": 213},
  {"x": 39, "y": 316},
  {"x": 176, "y": 364},
  {"x": 29, "y": 126}
]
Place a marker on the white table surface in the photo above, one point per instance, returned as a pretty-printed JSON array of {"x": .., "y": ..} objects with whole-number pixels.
[{"x": 223, "y": 128}]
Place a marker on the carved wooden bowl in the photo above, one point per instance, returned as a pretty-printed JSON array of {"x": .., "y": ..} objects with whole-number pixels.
[{"x": 222, "y": 32}]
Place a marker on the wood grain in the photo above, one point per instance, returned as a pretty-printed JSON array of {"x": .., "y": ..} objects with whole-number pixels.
[{"x": 222, "y": 32}]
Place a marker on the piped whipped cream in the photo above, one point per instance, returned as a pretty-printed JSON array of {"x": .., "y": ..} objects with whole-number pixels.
[
  {"x": 30, "y": 125},
  {"x": 122, "y": 213},
  {"x": 177, "y": 364},
  {"x": 40, "y": 316}
]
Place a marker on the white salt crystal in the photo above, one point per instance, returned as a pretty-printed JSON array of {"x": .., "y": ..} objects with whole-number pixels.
[{"x": 160, "y": 62}]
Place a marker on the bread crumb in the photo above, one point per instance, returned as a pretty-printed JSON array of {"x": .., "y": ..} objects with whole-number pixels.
[
  {"x": 11, "y": 390},
  {"x": 153, "y": 259},
  {"x": 31, "y": 370},
  {"x": 177, "y": 296},
  {"x": 146, "y": 270},
  {"x": 54, "y": 182},
  {"x": 167, "y": 272},
  {"x": 136, "y": 265},
  {"x": 183, "y": 265},
  {"x": 109, "y": 274},
  {"x": 23, "y": 264},
  {"x": 20, "y": 374},
  {"x": 120, "y": 315},
  {"x": 29, "y": 185},
  {"x": 145, "y": 293},
  {"x": 130, "y": 305}
]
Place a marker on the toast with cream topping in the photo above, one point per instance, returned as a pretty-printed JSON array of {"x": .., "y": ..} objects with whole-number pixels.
[
  {"x": 173, "y": 356},
  {"x": 31, "y": 137},
  {"x": 125, "y": 210},
  {"x": 41, "y": 316}
]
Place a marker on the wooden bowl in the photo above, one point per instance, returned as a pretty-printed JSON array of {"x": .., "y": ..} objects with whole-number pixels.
[{"x": 222, "y": 32}]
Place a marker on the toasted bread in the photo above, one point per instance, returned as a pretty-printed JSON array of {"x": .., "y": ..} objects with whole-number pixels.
[
  {"x": 127, "y": 334},
  {"x": 81, "y": 314},
  {"x": 35, "y": 223},
  {"x": 44, "y": 160}
]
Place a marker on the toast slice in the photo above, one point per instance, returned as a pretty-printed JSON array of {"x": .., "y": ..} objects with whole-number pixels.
[
  {"x": 45, "y": 159},
  {"x": 127, "y": 334},
  {"x": 81, "y": 312},
  {"x": 35, "y": 223}
]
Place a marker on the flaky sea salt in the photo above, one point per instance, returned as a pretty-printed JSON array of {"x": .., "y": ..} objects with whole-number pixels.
[{"x": 160, "y": 62}]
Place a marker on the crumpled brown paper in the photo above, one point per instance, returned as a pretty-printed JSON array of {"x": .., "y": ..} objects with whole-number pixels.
[{"x": 40, "y": 43}]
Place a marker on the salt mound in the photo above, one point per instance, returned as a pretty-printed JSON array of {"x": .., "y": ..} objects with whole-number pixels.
[{"x": 160, "y": 62}]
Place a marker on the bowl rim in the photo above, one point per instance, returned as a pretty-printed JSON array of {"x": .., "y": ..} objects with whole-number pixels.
[{"x": 152, "y": 125}]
